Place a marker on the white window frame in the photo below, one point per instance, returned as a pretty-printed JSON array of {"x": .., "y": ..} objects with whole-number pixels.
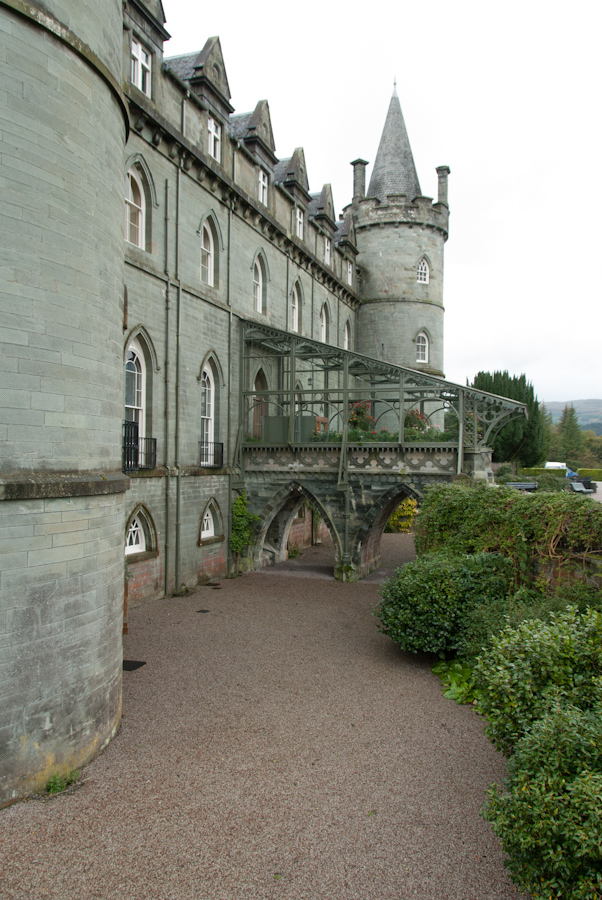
[
  {"x": 349, "y": 272},
  {"x": 258, "y": 287},
  {"x": 215, "y": 139},
  {"x": 423, "y": 272},
  {"x": 141, "y": 67},
  {"x": 135, "y": 539},
  {"x": 299, "y": 222},
  {"x": 346, "y": 336},
  {"x": 208, "y": 523},
  {"x": 324, "y": 323},
  {"x": 207, "y": 256},
  {"x": 295, "y": 303},
  {"x": 135, "y": 212},
  {"x": 422, "y": 347},
  {"x": 207, "y": 417},
  {"x": 135, "y": 365},
  {"x": 262, "y": 186},
  {"x": 327, "y": 251}
]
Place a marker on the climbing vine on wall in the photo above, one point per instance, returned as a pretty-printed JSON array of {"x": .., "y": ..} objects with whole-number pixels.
[{"x": 242, "y": 525}]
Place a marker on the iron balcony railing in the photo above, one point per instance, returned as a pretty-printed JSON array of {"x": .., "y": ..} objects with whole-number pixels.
[
  {"x": 211, "y": 454},
  {"x": 138, "y": 453}
]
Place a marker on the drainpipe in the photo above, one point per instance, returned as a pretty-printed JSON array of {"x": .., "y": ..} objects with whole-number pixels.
[
  {"x": 230, "y": 461},
  {"x": 177, "y": 411},
  {"x": 167, "y": 394}
]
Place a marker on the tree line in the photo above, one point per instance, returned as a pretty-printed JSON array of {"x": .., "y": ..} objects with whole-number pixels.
[{"x": 533, "y": 441}]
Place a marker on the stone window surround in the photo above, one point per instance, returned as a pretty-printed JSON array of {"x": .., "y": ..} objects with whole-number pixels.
[{"x": 141, "y": 69}]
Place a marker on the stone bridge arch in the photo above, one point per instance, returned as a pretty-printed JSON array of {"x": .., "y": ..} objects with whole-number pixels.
[
  {"x": 365, "y": 542},
  {"x": 276, "y": 519}
]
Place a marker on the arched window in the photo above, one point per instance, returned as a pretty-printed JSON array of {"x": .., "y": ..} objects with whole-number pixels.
[
  {"x": 135, "y": 386},
  {"x": 257, "y": 287},
  {"x": 207, "y": 418},
  {"x": 135, "y": 539},
  {"x": 422, "y": 272},
  {"x": 211, "y": 522},
  {"x": 207, "y": 256},
  {"x": 347, "y": 336},
  {"x": 324, "y": 323},
  {"x": 260, "y": 403},
  {"x": 295, "y": 304},
  {"x": 422, "y": 348},
  {"x": 135, "y": 209},
  {"x": 140, "y": 535}
]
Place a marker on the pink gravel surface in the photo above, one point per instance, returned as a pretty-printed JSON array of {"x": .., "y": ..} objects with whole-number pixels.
[{"x": 275, "y": 745}]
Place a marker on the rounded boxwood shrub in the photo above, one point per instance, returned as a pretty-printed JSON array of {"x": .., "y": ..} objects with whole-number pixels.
[
  {"x": 424, "y": 606},
  {"x": 530, "y": 668},
  {"x": 548, "y": 818}
]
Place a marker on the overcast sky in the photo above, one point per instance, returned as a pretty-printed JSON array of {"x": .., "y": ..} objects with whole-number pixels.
[{"x": 507, "y": 95}]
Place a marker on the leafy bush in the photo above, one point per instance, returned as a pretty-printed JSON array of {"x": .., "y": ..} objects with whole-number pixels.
[
  {"x": 530, "y": 529},
  {"x": 402, "y": 519},
  {"x": 548, "y": 818},
  {"x": 423, "y": 607},
  {"x": 529, "y": 669},
  {"x": 242, "y": 525},
  {"x": 536, "y": 471}
]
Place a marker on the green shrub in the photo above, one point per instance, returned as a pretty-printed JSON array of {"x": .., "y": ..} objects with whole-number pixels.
[
  {"x": 530, "y": 668},
  {"x": 531, "y": 529},
  {"x": 402, "y": 519},
  {"x": 242, "y": 525},
  {"x": 423, "y": 607},
  {"x": 548, "y": 818},
  {"x": 536, "y": 471},
  {"x": 594, "y": 474}
]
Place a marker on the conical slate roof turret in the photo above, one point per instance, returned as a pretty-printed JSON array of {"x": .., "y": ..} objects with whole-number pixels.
[{"x": 394, "y": 171}]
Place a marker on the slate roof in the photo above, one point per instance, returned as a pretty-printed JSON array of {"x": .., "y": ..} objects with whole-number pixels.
[
  {"x": 182, "y": 66},
  {"x": 394, "y": 171},
  {"x": 314, "y": 204},
  {"x": 239, "y": 125},
  {"x": 281, "y": 168}
]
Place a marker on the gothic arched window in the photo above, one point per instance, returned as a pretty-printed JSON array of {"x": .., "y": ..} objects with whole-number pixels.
[
  {"x": 422, "y": 348},
  {"x": 207, "y": 256},
  {"x": 135, "y": 210},
  {"x": 422, "y": 272}
]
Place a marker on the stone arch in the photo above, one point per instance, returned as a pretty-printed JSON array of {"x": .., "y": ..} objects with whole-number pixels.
[
  {"x": 216, "y": 532},
  {"x": 365, "y": 551},
  {"x": 276, "y": 519},
  {"x": 137, "y": 161},
  {"x": 260, "y": 256},
  {"x": 212, "y": 359},
  {"x": 209, "y": 218},
  {"x": 142, "y": 515},
  {"x": 137, "y": 332}
]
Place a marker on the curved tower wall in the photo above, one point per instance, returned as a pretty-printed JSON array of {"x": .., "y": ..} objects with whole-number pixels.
[
  {"x": 392, "y": 237},
  {"x": 62, "y": 135}
]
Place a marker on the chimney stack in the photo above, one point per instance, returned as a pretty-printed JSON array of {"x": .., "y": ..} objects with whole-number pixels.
[
  {"x": 443, "y": 172},
  {"x": 359, "y": 179}
]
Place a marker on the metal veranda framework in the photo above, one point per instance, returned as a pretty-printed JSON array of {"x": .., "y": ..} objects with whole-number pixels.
[{"x": 310, "y": 380}]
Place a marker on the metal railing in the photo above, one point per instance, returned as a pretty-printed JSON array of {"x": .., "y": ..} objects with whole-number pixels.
[
  {"x": 137, "y": 453},
  {"x": 211, "y": 454}
]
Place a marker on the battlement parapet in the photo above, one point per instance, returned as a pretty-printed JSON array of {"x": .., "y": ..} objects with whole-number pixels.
[{"x": 398, "y": 210}]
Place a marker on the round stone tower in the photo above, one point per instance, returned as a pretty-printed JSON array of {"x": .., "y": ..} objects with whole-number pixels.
[
  {"x": 400, "y": 236},
  {"x": 63, "y": 127}
]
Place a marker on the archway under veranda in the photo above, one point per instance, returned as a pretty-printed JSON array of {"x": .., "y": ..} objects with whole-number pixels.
[
  {"x": 291, "y": 511},
  {"x": 366, "y": 543}
]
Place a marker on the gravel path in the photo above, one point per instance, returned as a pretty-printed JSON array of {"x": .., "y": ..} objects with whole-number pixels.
[{"x": 274, "y": 745}]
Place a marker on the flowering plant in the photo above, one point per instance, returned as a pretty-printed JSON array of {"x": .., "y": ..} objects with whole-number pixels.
[{"x": 360, "y": 417}]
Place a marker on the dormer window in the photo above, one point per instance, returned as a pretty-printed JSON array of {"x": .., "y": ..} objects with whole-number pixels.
[
  {"x": 349, "y": 273},
  {"x": 327, "y": 250},
  {"x": 262, "y": 187},
  {"x": 215, "y": 139},
  {"x": 299, "y": 221},
  {"x": 141, "y": 67},
  {"x": 422, "y": 272}
]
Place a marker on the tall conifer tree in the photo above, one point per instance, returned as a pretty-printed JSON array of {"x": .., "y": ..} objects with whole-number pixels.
[{"x": 522, "y": 440}]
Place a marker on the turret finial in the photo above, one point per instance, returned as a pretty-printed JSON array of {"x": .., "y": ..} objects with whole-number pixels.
[{"x": 394, "y": 86}]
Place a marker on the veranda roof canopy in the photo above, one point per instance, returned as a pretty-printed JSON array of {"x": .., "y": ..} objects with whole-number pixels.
[{"x": 311, "y": 373}]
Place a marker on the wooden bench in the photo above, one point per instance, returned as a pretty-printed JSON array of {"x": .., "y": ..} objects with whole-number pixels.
[
  {"x": 522, "y": 485},
  {"x": 580, "y": 488}
]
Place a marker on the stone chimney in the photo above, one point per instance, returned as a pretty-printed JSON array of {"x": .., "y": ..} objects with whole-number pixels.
[
  {"x": 443, "y": 172},
  {"x": 359, "y": 179}
]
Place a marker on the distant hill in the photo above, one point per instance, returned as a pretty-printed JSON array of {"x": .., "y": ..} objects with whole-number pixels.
[{"x": 589, "y": 412}]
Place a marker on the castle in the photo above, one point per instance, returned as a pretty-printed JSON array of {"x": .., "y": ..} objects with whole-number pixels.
[{"x": 143, "y": 223}]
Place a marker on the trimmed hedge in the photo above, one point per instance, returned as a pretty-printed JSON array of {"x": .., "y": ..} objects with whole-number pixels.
[
  {"x": 541, "y": 470},
  {"x": 594, "y": 474}
]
